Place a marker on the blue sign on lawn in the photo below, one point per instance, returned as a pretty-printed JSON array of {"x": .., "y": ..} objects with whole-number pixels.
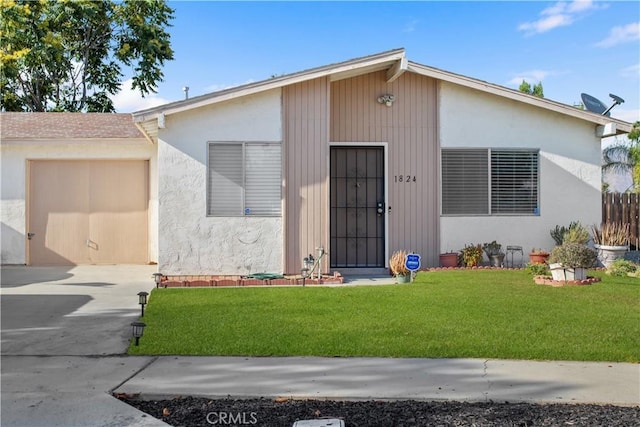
[{"x": 412, "y": 262}]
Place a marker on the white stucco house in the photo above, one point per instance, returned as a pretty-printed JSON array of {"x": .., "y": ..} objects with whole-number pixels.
[{"x": 361, "y": 158}]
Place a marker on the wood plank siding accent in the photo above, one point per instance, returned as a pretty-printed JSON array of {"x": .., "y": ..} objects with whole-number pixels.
[
  {"x": 410, "y": 129},
  {"x": 306, "y": 154}
]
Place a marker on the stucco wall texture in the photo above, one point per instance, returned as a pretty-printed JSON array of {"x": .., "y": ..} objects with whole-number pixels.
[
  {"x": 191, "y": 242},
  {"x": 569, "y": 167}
]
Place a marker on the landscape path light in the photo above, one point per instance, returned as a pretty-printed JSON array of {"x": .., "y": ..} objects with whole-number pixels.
[
  {"x": 142, "y": 300},
  {"x": 137, "y": 329},
  {"x": 157, "y": 277}
]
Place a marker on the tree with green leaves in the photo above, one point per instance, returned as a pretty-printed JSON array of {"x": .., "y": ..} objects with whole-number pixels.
[
  {"x": 68, "y": 55},
  {"x": 536, "y": 90},
  {"x": 624, "y": 157}
]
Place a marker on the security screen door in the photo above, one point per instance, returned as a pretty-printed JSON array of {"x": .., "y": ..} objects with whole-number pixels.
[{"x": 357, "y": 207}]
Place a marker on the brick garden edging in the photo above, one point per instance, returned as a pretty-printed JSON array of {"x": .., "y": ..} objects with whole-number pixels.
[
  {"x": 547, "y": 280},
  {"x": 210, "y": 281}
]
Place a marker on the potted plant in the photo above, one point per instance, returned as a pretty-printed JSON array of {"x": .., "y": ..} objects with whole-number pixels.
[
  {"x": 472, "y": 255},
  {"x": 494, "y": 253},
  {"x": 611, "y": 240},
  {"x": 538, "y": 256},
  {"x": 575, "y": 233},
  {"x": 570, "y": 261},
  {"x": 449, "y": 259},
  {"x": 398, "y": 267}
]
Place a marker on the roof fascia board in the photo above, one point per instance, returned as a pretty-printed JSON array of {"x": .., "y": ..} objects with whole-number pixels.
[
  {"x": 397, "y": 69},
  {"x": 75, "y": 141},
  {"x": 274, "y": 83},
  {"x": 622, "y": 126}
]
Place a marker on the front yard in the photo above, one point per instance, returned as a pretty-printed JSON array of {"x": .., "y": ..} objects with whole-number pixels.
[{"x": 461, "y": 313}]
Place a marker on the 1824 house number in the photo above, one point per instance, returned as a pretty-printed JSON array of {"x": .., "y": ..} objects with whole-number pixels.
[{"x": 404, "y": 178}]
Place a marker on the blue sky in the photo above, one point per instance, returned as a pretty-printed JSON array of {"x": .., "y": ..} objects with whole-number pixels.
[{"x": 571, "y": 47}]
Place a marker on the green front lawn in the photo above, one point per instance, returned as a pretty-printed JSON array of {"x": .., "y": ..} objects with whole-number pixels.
[{"x": 462, "y": 313}]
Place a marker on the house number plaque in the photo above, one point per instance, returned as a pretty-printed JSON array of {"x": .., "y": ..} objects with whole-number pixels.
[{"x": 407, "y": 179}]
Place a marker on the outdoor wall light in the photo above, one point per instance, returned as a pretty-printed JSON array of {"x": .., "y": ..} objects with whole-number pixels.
[
  {"x": 157, "y": 277},
  {"x": 137, "y": 329},
  {"x": 142, "y": 300},
  {"x": 387, "y": 99}
]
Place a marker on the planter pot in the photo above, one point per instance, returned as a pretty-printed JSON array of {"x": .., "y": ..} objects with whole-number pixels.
[
  {"x": 559, "y": 272},
  {"x": 497, "y": 260},
  {"x": 449, "y": 260},
  {"x": 403, "y": 278},
  {"x": 538, "y": 258},
  {"x": 608, "y": 254}
]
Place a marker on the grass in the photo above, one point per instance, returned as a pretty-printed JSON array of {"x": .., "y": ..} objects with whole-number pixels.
[{"x": 462, "y": 313}]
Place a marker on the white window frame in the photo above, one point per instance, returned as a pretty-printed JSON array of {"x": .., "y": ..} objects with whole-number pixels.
[
  {"x": 491, "y": 210},
  {"x": 243, "y": 211}
]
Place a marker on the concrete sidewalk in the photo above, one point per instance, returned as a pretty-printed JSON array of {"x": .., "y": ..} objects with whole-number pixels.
[{"x": 373, "y": 378}]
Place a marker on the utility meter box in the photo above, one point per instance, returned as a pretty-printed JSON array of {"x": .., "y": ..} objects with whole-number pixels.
[{"x": 333, "y": 422}]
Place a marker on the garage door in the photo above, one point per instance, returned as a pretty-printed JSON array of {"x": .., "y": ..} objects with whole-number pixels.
[{"x": 88, "y": 212}]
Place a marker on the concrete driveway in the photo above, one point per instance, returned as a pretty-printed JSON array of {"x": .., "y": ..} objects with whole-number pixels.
[
  {"x": 84, "y": 310},
  {"x": 64, "y": 333}
]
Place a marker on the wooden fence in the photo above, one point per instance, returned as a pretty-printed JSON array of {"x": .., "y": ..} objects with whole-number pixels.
[{"x": 623, "y": 208}]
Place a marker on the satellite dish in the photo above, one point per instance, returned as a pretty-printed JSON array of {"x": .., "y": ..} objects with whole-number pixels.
[{"x": 594, "y": 105}]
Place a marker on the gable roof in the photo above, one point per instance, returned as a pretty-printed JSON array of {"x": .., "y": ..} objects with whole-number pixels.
[
  {"x": 49, "y": 126},
  {"x": 394, "y": 61}
]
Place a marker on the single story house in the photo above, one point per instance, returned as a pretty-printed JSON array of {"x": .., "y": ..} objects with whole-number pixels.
[{"x": 361, "y": 158}]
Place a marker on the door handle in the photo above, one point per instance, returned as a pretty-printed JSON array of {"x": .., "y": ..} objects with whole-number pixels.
[{"x": 30, "y": 235}]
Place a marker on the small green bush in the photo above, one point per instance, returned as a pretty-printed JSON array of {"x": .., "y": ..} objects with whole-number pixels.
[
  {"x": 621, "y": 267},
  {"x": 573, "y": 255},
  {"x": 538, "y": 269},
  {"x": 577, "y": 233}
]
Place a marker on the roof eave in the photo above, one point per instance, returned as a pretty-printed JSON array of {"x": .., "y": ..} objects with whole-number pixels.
[
  {"x": 622, "y": 127},
  {"x": 337, "y": 71}
]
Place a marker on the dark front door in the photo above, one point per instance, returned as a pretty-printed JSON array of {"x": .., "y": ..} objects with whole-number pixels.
[{"x": 357, "y": 207}]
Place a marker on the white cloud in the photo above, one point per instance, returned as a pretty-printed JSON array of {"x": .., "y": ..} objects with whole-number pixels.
[
  {"x": 631, "y": 71},
  {"x": 560, "y": 14},
  {"x": 621, "y": 34},
  {"x": 410, "y": 27},
  {"x": 532, "y": 76},
  {"x": 128, "y": 100}
]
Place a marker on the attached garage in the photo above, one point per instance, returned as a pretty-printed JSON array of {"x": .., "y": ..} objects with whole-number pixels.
[
  {"x": 77, "y": 189},
  {"x": 87, "y": 212}
]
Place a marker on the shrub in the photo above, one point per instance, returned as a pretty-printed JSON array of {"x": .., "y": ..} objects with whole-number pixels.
[
  {"x": 471, "y": 255},
  {"x": 538, "y": 269},
  {"x": 397, "y": 263},
  {"x": 621, "y": 267},
  {"x": 493, "y": 248},
  {"x": 611, "y": 234},
  {"x": 558, "y": 233},
  {"x": 573, "y": 255},
  {"x": 576, "y": 233}
]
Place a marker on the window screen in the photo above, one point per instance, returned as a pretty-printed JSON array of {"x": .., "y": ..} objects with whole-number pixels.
[
  {"x": 482, "y": 181},
  {"x": 514, "y": 182},
  {"x": 464, "y": 182},
  {"x": 244, "y": 179}
]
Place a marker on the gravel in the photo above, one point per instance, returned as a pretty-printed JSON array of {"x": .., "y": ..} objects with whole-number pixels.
[{"x": 193, "y": 412}]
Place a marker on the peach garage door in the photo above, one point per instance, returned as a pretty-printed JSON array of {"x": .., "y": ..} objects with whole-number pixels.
[{"x": 88, "y": 212}]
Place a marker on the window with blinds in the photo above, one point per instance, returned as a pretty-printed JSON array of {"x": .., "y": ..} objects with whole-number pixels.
[
  {"x": 486, "y": 182},
  {"x": 464, "y": 182},
  {"x": 514, "y": 182},
  {"x": 244, "y": 179}
]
